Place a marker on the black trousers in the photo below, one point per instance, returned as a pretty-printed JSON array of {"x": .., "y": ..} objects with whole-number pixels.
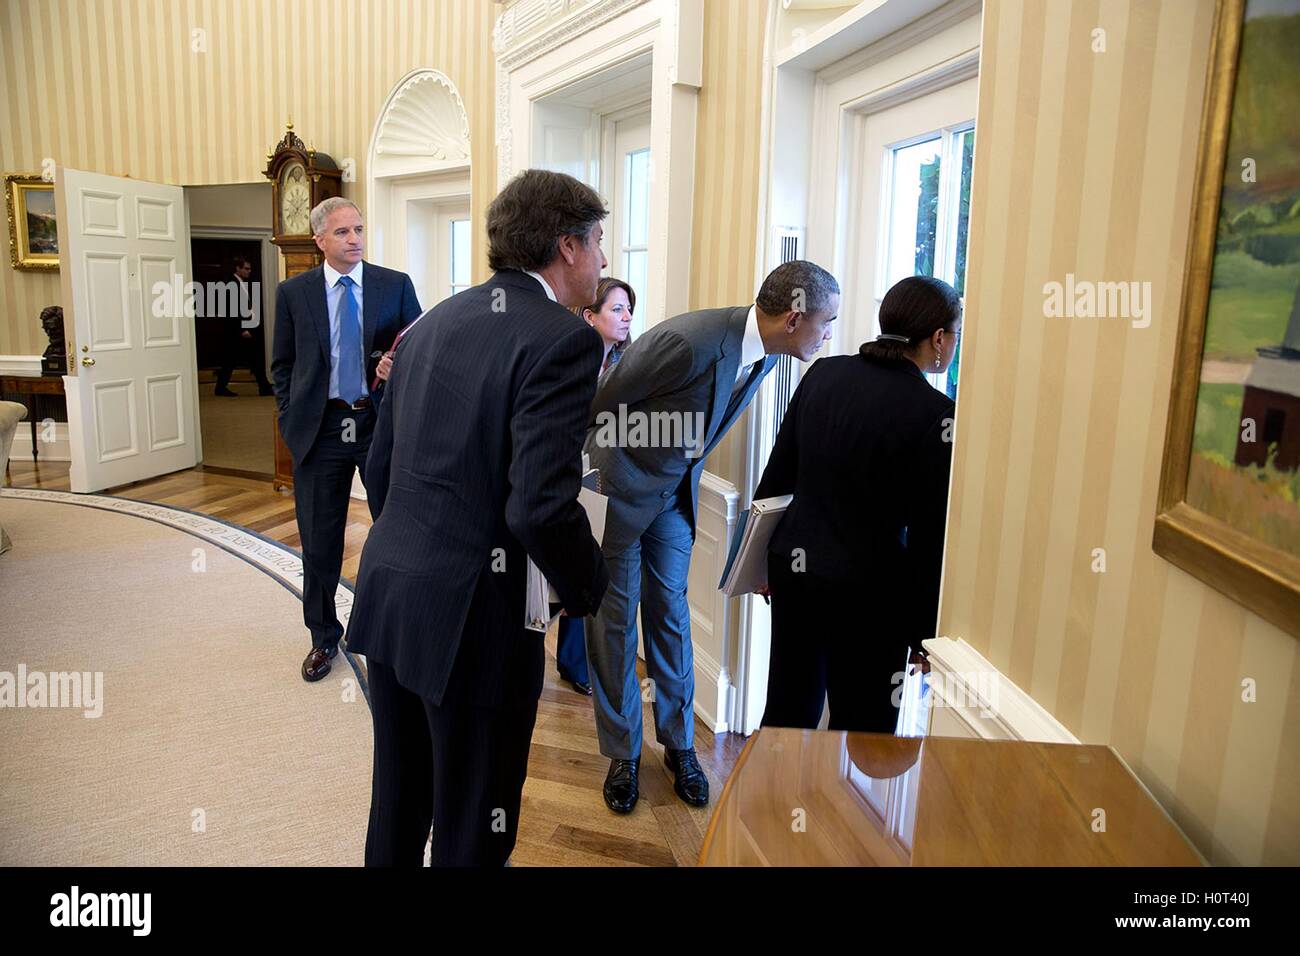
[
  {"x": 458, "y": 766},
  {"x": 827, "y": 641},
  {"x": 246, "y": 353},
  {"x": 322, "y": 488}
]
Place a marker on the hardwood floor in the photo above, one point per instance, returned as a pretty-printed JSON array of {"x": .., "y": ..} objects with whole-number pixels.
[{"x": 565, "y": 821}]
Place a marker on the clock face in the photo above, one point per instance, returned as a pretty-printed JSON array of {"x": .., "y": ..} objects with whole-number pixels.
[{"x": 295, "y": 201}]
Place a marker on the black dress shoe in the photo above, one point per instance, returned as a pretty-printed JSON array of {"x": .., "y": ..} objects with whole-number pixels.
[
  {"x": 621, "y": 790},
  {"x": 579, "y": 686},
  {"x": 226, "y": 393},
  {"x": 689, "y": 780},
  {"x": 317, "y": 663}
]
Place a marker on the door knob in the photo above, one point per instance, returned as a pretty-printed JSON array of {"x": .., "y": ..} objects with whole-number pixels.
[{"x": 87, "y": 362}]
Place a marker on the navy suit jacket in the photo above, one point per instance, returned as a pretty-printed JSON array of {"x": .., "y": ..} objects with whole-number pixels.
[
  {"x": 300, "y": 352},
  {"x": 475, "y": 466}
]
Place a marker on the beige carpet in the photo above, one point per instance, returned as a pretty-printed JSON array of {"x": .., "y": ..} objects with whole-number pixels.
[
  {"x": 237, "y": 432},
  {"x": 205, "y": 717}
]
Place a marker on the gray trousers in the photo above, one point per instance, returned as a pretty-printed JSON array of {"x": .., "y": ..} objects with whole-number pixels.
[{"x": 652, "y": 571}]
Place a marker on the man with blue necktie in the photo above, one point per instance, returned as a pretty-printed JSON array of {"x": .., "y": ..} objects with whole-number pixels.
[{"x": 329, "y": 321}]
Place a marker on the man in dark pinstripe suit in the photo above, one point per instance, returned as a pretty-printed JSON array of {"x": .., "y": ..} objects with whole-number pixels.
[{"x": 476, "y": 465}]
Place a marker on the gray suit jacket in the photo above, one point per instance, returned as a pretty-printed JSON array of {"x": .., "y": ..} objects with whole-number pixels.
[{"x": 660, "y": 411}]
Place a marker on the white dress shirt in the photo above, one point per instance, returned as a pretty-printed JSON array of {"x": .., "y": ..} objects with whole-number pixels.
[
  {"x": 333, "y": 298},
  {"x": 546, "y": 286},
  {"x": 751, "y": 347}
]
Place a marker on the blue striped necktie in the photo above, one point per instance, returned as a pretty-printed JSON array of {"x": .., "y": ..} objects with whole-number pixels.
[{"x": 350, "y": 370}]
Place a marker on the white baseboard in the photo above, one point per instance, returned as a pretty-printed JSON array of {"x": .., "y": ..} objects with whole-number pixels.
[
  {"x": 969, "y": 697},
  {"x": 713, "y": 692},
  {"x": 58, "y": 449}
]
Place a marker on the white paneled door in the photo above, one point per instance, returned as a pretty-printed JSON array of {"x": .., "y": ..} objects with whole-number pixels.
[{"x": 133, "y": 402}]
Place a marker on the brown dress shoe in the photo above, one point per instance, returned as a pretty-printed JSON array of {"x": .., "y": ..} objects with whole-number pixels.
[{"x": 317, "y": 664}]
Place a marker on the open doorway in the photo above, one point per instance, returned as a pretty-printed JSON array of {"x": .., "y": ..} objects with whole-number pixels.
[
  {"x": 236, "y": 268},
  {"x": 598, "y": 130}
]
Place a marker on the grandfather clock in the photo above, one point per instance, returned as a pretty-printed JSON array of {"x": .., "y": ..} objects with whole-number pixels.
[{"x": 300, "y": 178}]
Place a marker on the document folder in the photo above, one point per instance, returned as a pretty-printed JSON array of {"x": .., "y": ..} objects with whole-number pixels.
[
  {"x": 747, "y": 558},
  {"x": 543, "y": 604}
]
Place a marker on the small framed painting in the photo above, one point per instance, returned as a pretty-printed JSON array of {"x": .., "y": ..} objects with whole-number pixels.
[
  {"x": 33, "y": 238},
  {"x": 1229, "y": 505}
]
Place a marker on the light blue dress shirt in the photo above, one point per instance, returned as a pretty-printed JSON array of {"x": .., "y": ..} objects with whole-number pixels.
[{"x": 333, "y": 298}]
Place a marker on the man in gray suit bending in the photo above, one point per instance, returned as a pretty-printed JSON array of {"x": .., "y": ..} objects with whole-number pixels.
[{"x": 656, "y": 416}]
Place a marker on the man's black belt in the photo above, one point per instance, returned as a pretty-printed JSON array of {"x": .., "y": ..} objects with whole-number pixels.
[{"x": 360, "y": 405}]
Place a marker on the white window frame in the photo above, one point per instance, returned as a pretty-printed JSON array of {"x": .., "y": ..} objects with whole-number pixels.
[
  {"x": 946, "y": 236},
  {"x": 453, "y": 217},
  {"x": 613, "y": 181}
]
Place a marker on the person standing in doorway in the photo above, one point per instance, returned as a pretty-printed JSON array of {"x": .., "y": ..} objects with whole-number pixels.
[{"x": 241, "y": 332}]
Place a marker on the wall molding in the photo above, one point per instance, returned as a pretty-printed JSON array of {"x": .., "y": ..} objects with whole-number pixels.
[
  {"x": 20, "y": 365},
  {"x": 60, "y": 449},
  {"x": 963, "y": 67},
  {"x": 982, "y": 701}
]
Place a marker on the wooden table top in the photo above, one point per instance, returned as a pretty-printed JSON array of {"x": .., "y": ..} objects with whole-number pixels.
[
  {"x": 51, "y": 384},
  {"x": 829, "y": 798}
]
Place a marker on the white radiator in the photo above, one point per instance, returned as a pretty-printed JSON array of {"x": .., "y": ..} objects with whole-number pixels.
[{"x": 715, "y": 618}]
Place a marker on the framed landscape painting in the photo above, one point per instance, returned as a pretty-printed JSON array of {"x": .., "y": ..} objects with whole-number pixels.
[
  {"x": 1229, "y": 508},
  {"x": 33, "y": 238}
]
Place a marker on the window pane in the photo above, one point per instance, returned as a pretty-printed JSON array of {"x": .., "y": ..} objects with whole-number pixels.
[
  {"x": 634, "y": 274},
  {"x": 967, "y": 142},
  {"x": 914, "y": 211},
  {"x": 635, "y": 270},
  {"x": 637, "y": 179},
  {"x": 459, "y": 254}
]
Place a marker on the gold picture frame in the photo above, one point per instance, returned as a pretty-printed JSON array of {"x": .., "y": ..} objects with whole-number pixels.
[
  {"x": 29, "y": 206},
  {"x": 1263, "y": 578}
]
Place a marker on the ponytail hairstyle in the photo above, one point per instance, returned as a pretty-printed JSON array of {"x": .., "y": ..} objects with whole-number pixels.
[{"x": 912, "y": 311}]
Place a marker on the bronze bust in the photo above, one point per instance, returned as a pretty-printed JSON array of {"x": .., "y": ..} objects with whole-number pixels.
[{"x": 55, "y": 359}]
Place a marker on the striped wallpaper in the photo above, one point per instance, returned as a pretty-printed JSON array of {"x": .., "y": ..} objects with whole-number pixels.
[
  {"x": 1084, "y": 163},
  {"x": 114, "y": 86},
  {"x": 727, "y": 153}
]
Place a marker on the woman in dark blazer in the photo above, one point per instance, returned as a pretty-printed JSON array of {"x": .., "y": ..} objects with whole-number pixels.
[{"x": 853, "y": 568}]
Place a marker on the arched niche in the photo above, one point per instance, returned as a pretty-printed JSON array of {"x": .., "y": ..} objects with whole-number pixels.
[{"x": 418, "y": 179}]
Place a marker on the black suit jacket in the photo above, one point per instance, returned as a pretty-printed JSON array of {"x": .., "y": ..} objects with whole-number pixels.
[
  {"x": 479, "y": 444},
  {"x": 300, "y": 351},
  {"x": 865, "y": 448}
]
